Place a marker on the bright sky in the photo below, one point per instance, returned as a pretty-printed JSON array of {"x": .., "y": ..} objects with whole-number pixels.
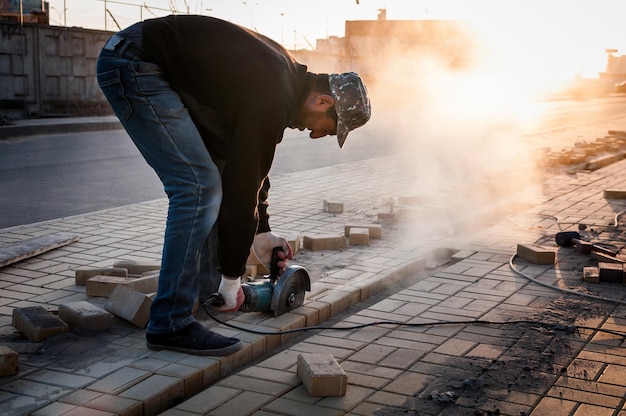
[{"x": 567, "y": 36}]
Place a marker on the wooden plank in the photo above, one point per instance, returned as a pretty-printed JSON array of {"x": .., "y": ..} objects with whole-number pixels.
[{"x": 31, "y": 247}]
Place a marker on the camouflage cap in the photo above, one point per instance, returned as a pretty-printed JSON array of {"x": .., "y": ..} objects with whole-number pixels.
[{"x": 351, "y": 103}]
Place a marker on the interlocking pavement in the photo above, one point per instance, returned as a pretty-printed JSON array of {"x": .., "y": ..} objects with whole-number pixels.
[{"x": 437, "y": 317}]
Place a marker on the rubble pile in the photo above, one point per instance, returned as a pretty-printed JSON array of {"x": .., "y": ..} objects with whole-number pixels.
[{"x": 588, "y": 156}]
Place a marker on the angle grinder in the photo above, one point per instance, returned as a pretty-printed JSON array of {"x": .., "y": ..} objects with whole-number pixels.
[{"x": 274, "y": 293}]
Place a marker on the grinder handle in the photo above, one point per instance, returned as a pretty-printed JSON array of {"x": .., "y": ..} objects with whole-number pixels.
[{"x": 274, "y": 270}]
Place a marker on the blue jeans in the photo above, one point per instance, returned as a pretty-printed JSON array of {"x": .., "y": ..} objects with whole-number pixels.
[{"x": 160, "y": 126}]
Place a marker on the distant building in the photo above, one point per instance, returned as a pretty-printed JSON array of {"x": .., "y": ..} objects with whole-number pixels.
[
  {"x": 614, "y": 78},
  {"x": 386, "y": 52},
  {"x": 30, "y": 11}
]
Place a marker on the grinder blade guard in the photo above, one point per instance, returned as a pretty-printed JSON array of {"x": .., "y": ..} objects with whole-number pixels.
[
  {"x": 278, "y": 295},
  {"x": 290, "y": 289}
]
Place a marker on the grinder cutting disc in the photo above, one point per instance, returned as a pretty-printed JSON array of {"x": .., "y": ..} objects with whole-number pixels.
[{"x": 290, "y": 290}]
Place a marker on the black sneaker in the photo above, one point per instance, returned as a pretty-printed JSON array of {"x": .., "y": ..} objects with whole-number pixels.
[{"x": 194, "y": 339}]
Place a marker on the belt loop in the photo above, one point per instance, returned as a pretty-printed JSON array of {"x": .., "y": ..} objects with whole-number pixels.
[
  {"x": 123, "y": 45},
  {"x": 113, "y": 42}
]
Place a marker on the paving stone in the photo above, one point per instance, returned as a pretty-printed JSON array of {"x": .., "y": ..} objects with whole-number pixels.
[
  {"x": 36, "y": 323},
  {"x": 251, "y": 270},
  {"x": 333, "y": 207},
  {"x": 192, "y": 377},
  {"x": 615, "y": 194},
  {"x": 53, "y": 409},
  {"x": 137, "y": 267},
  {"x": 324, "y": 242},
  {"x": 261, "y": 374},
  {"x": 208, "y": 399},
  {"x": 387, "y": 216},
  {"x": 591, "y": 397},
  {"x": 359, "y": 237},
  {"x": 354, "y": 395},
  {"x": 254, "y": 260},
  {"x": 601, "y": 257},
  {"x": 295, "y": 408},
  {"x": 58, "y": 378},
  {"x": 116, "y": 405},
  {"x": 103, "y": 286},
  {"x": 130, "y": 304},
  {"x": 535, "y": 254},
  {"x": 245, "y": 403},
  {"x": 375, "y": 230},
  {"x": 9, "y": 361},
  {"x": 158, "y": 393},
  {"x": 80, "y": 397},
  {"x": 295, "y": 241},
  {"x": 119, "y": 380},
  {"x": 83, "y": 314},
  {"x": 82, "y": 275},
  {"x": 611, "y": 272},
  {"x": 591, "y": 274},
  {"x": 322, "y": 375}
]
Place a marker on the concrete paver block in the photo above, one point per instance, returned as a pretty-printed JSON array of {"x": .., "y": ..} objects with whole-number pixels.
[
  {"x": 254, "y": 260},
  {"x": 376, "y": 230},
  {"x": 104, "y": 285},
  {"x": 158, "y": 393},
  {"x": 387, "y": 216},
  {"x": 82, "y": 275},
  {"x": 611, "y": 272},
  {"x": 145, "y": 284},
  {"x": 83, "y": 314},
  {"x": 614, "y": 194},
  {"x": 36, "y": 323},
  {"x": 252, "y": 270},
  {"x": 130, "y": 304},
  {"x": 584, "y": 247},
  {"x": 359, "y": 237},
  {"x": 601, "y": 257},
  {"x": 333, "y": 207},
  {"x": 322, "y": 375},
  {"x": 136, "y": 267},
  {"x": 591, "y": 274},
  {"x": 536, "y": 254},
  {"x": 9, "y": 361},
  {"x": 410, "y": 200},
  {"x": 295, "y": 241},
  {"x": 324, "y": 242}
]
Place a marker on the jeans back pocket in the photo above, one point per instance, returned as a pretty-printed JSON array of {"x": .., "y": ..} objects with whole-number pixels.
[{"x": 110, "y": 83}]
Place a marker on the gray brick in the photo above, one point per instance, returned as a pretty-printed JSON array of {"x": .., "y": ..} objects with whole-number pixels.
[
  {"x": 84, "y": 314},
  {"x": 36, "y": 323}
]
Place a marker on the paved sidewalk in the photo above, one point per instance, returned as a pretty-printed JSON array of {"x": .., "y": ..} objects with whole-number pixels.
[{"x": 425, "y": 274}]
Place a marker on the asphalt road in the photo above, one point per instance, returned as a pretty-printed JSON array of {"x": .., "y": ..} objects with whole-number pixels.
[{"x": 60, "y": 175}]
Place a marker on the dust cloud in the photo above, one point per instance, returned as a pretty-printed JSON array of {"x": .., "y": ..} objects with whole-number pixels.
[{"x": 456, "y": 114}]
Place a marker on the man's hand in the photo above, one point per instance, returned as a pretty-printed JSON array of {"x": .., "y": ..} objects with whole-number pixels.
[
  {"x": 232, "y": 294},
  {"x": 264, "y": 244}
]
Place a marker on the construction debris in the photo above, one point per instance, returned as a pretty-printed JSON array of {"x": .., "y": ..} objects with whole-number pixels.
[
  {"x": 31, "y": 247},
  {"x": 587, "y": 156}
]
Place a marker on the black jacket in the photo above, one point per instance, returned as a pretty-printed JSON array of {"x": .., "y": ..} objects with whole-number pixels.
[{"x": 242, "y": 90}]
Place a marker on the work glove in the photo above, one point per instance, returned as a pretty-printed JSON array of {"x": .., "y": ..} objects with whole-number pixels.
[
  {"x": 264, "y": 244},
  {"x": 232, "y": 294}
]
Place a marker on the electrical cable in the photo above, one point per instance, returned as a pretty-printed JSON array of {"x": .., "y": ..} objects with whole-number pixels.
[
  {"x": 615, "y": 224},
  {"x": 556, "y": 327},
  {"x": 560, "y": 289}
]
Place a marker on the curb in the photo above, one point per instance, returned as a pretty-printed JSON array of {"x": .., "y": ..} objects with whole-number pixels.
[{"x": 11, "y": 131}]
